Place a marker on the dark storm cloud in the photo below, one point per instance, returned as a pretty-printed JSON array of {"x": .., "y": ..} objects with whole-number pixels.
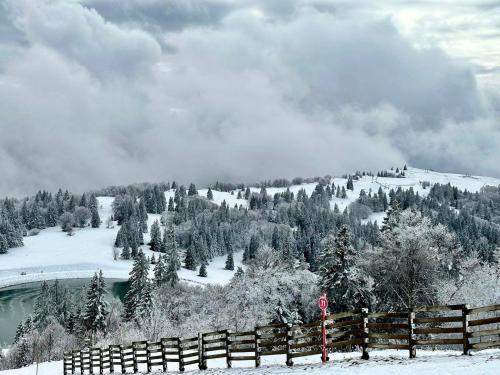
[
  {"x": 250, "y": 90},
  {"x": 161, "y": 15}
]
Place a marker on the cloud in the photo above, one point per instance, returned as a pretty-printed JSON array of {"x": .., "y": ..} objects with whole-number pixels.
[{"x": 246, "y": 91}]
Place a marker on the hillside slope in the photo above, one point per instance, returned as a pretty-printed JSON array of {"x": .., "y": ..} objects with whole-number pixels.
[{"x": 52, "y": 254}]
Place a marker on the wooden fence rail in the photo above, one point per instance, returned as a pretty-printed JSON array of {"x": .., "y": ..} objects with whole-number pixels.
[{"x": 452, "y": 326}]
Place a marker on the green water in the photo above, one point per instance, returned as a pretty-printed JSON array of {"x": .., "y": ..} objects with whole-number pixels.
[{"x": 16, "y": 302}]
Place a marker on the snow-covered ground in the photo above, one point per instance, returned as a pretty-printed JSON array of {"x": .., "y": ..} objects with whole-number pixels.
[
  {"x": 388, "y": 362},
  {"x": 52, "y": 254}
]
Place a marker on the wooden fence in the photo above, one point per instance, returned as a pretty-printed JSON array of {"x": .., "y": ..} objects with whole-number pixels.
[{"x": 451, "y": 326}]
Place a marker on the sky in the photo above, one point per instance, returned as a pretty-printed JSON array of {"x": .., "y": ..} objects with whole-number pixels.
[{"x": 105, "y": 92}]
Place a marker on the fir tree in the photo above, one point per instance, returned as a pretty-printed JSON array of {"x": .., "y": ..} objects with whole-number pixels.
[
  {"x": 350, "y": 184},
  {"x": 138, "y": 297},
  {"x": 95, "y": 220},
  {"x": 203, "y": 270},
  {"x": 126, "y": 249},
  {"x": 155, "y": 243},
  {"x": 96, "y": 308},
  {"x": 192, "y": 190},
  {"x": 171, "y": 204},
  {"x": 230, "y": 262},
  {"x": 171, "y": 277},
  {"x": 4, "y": 246},
  {"x": 160, "y": 272},
  {"x": 171, "y": 247},
  {"x": 253, "y": 247},
  {"x": 210, "y": 195},
  {"x": 339, "y": 277},
  {"x": 189, "y": 261}
]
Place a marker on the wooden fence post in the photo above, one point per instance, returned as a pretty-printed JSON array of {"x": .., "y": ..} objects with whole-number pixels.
[
  {"x": 73, "y": 362},
  {"x": 228, "y": 352},
  {"x": 289, "y": 337},
  {"x": 101, "y": 364},
  {"x": 202, "y": 363},
  {"x": 465, "y": 330},
  {"x": 163, "y": 355},
  {"x": 257, "y": 349},
  {"x": 412, "y": 348},
  {"x": 148, "y": 359},
  {"x": 181, "y": 355},
  {"x": 136, "y": 368},
  {"x": 365, "y": 332},
  {"x": 122, "y": 359},
  {"x": 111, "y": 365}
]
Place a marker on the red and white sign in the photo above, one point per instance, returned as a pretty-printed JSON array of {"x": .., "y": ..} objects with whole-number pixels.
[{"x": 323, "y": 302}]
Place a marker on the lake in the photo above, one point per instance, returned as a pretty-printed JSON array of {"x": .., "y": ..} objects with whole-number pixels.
[{"x": 16, "y": 302}]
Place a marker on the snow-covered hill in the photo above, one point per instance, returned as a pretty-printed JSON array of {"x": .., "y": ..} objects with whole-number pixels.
[
  {"x": 388, "y": 362},
  {"x": 52, "y": 254}
]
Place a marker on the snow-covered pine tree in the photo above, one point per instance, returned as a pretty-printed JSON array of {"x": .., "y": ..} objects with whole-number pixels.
[
  {"x": 96, "y": 307},
  {"x": 42, "y": 309},
  {"x": 171, "y": 276},
  {"x": 4, "y": 246},
  {"x": 210, "y": 195},
  {"x": 192, "y": 190},
  {"x": 138, "y": 296},
  {"x": 171, "y": 247},
  {"x": 189, "y": 261},
  {"x": 171, "y": 204},
  {"x": 126, "y": 249},
  {"x": 95, "y": 220},
  {"x": 203, "y": 270},
  {"x": 160, "y": 272},
  {"x": 155, "y": 243},
  {"x": 339, "y": 277},
  {"x": 253, "y": 247},
  {"x": 229, "y": 261}
]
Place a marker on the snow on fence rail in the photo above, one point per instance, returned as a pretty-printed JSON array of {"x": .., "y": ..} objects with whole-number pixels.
[{"x": 449, "y": 325}]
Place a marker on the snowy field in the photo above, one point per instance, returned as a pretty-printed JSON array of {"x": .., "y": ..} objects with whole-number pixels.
[
  {"x": 54, "y": 255},
  {"x": 388, "y": 362}
]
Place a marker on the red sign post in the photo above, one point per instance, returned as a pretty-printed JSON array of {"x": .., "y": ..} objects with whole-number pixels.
[{"x": 323, "y": 305}]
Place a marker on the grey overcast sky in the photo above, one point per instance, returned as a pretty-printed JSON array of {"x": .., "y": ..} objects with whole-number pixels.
[{"x": 100, "y": 92}]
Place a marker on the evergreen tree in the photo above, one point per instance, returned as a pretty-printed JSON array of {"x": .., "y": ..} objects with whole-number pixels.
[
  {"x": 95, "y": 220},
  {"x": 343, "y": 194},
  {"x": 171, "y": 277},
  {"x": 203, "y": 270},
  {"x": 339, "y": 276},
  {"x": 138, "y": 298},
  {"x": 192, "y": 190},
  {"x": 96, "y": 307},
  {"x": 171, "y": 204},
  {"x": 155, "y": 243},
  {"x": 4, "y": 246},
  {"x": 350, "y": 184},
  {"x": 160, "y": 272},
  {"x": 230, "y": 262},
  {"x": 210, "y": 195},
  {"x": 253, "y": 247},
  {"x": 171, "y": 247},
  {"x": 52, "y": 215},
  {"x": 189, "y": 261},
  {"x": 126, "y": 249},
  {"x": 42, "y": 308}
]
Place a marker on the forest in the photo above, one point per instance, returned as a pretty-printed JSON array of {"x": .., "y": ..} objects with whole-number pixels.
[{"x": 441, "y": 248}]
